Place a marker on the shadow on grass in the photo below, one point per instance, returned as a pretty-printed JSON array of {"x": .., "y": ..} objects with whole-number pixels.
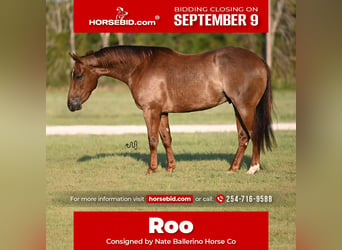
[{"x": 163, "y": 160}]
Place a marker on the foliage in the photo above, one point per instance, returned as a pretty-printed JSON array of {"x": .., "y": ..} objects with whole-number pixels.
[
  {"x": 58, "y": 42},
  {"x": 284, "y": 51}
]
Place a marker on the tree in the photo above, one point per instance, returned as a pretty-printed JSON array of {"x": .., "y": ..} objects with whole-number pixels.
[
  {"x": 274, "y": 22},
  {"x": 105, "y": 39},
  {"x": 54, "y": 17},
  {"x": 280, "y": 41},
  {"x": 70, "y": 13},
  {"x": 120, "y": 38}
]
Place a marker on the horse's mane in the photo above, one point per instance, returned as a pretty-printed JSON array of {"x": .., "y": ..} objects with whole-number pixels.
[{"x": 125, "y": 54}]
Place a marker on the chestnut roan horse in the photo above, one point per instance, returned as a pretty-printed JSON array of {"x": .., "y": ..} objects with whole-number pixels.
[{"x": 163, "y": 81}]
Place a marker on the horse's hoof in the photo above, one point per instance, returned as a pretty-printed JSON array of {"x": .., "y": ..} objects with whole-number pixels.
[
  {"x": 149, "y": 171},
  {"x": 232, "y": 170},
  {"x": 253, "y": 169},
  {"x": 169, "y": 170}
]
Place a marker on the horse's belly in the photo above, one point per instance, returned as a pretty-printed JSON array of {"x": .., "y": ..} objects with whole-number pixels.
[
  {"x": 191, "y": 108},
  {"x": 194, "y": 100}
]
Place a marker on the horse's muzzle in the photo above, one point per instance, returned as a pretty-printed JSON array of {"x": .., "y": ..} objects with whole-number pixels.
[{"x": 74, "y": 104}]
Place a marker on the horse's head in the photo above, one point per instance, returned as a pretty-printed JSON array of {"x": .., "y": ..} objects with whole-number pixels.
[{"x": 83, "y": 81}]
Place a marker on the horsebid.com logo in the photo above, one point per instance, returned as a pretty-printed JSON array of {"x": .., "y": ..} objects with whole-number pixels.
[{"x": 120, "y": 20}]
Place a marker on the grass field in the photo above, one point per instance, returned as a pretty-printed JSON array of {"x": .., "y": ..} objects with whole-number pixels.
[
  {"x": 86, "y": 163},
  {"x": 116, "y": 106},
  {"x": 103, "y": 163}
]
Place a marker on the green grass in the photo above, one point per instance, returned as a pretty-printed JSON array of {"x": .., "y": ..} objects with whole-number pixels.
[
  {"x": 103, "y": 163},
  {"x": 115, "y": 105},
  {"x": 76, "y": 163}
]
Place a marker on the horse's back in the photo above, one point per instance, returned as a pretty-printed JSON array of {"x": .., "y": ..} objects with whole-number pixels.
[
  {"x": 234, "y": 57},
  {"x": 191, "y": 82}
]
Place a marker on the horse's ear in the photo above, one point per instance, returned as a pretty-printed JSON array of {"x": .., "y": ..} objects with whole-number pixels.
[
  {"x": 90, "y": 52},
  {"x": 75, "y": 57}
]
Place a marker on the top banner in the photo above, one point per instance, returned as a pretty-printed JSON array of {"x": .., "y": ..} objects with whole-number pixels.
[{"x": 181, "y": 16}]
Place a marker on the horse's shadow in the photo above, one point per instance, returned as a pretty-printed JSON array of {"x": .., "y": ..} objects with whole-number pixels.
[{"x": 162, "y": 160}]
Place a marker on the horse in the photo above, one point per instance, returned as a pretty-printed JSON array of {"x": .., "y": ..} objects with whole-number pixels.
[
  {"x": 163, "y": 81},
  {"x": 121, "y": 13}
]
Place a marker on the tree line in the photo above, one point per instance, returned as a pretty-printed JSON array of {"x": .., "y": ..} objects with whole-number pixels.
[{"x": 278, "y": 46}]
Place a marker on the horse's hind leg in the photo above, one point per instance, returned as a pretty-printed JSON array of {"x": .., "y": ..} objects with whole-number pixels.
[
  {"x": 152, "y": 119},
  {"x": 246, "y": 117},
  {"x": 165, "y": 135},
  {"x": 255, "y": 164}
]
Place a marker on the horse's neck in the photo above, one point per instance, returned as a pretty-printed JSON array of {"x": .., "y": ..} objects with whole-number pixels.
[
  {"x": 122, "y": 70},
  {"x": 121, "y": 73}
]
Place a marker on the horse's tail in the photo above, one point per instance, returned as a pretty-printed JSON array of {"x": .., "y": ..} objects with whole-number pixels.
[{"x": 262, "y": 131}]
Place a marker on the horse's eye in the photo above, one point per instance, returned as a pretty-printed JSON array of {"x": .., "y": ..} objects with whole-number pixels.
[{"x": 78, "y": 77}]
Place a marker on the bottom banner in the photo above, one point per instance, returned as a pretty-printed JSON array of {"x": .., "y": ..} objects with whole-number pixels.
[{"x": 166, "y": 230}]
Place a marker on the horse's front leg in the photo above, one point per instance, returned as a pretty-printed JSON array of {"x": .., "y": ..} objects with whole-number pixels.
[
  {"x": 165, "y": 135},
  {"x": 152, "y": 119}
]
